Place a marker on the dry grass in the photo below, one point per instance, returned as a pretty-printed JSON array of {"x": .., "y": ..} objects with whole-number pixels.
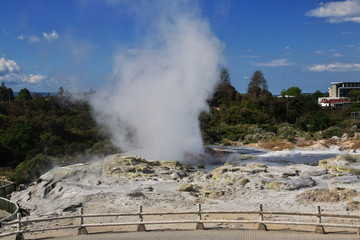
[
  {"x": 302, "y": 142},
  {"x": 353, "y": 144},
  {"x": 277, "y": 145}
]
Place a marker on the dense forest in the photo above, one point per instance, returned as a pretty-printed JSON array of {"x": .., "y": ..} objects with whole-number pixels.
[{"x": 38, "y": 132}]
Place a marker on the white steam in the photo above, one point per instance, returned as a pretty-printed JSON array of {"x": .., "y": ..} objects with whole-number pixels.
[{"x": 160, "y": 91}]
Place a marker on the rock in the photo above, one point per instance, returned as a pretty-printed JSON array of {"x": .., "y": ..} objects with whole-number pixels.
[
  {"x": 73, "y": 207},
  {"x": 268, "y": 175},
  {"x": 21, "y": 187},
  {"x": 345, "y": 179},
  {"x": 342, "y": 164},
  {"x": 136, "y": 194},
  {"x": 293, "y": 184},
  {"x": 326, "y": 195},
  {"x": 182, "y": 174},
  {"x": 175, "y": 176},
  {"x": 306, "y": 170},
  {"x": 201, "y": 166},
  {"x": 213, "y": 194},
  {"x": 178, "y": 175},
  {"x": 276, "y": 185},
  {"x": 187, "y": 187},
  {"x": 302, "y": 182},
  {"x": 353, "y": 205},
  {"x": 256, "y": 165},
  {"x": 336, "y": 138},
  {"x": 134, "y": 160},
  {"x": 242, "y": 181},
  {"x": 344, "y": 137},
  {"x": 282, "y": 172}
]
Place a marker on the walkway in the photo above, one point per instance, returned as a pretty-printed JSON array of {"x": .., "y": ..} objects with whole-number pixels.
[
  {"x": 3, "y": 214},
  {"x": 215, "y": 234}
]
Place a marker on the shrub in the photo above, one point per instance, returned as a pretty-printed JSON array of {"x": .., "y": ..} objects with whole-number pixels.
[
  {"x": 333, "y": 131},
  {"x": 318, "y": 121},
  {"x": 31, "y": 169}
]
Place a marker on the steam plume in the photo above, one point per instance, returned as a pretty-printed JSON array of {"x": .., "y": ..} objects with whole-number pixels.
[{"x": 160, "y": 90}]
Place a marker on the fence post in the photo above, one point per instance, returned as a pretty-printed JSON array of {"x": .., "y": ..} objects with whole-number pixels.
[
  {"x": 19, "y": 235},
  {"x": 82, "y": 230},
  {"x": 199, "y": 224},
  {"x": 318, "y": 228},
  {"x": 261, "y": 225},
  {"x": 141, "y": 227}
]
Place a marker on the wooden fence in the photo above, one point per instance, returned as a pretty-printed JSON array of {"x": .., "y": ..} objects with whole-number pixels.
[
  {"x": 9, "y": 207},
  {"x": 199, "y": 217}
]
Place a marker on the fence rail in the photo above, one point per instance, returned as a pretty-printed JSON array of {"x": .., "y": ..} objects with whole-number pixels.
[
  {"x": 9, "y": 207},
  {"x": 197, "y": 218}
]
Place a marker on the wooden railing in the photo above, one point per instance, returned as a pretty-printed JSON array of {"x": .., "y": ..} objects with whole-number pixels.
[
  {"x": 9, "y": 207},
  {"x": 199, "y": 217}
]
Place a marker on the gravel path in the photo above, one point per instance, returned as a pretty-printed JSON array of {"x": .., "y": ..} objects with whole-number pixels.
[
  {"x": 215, "y": 234},
  {"x": 3, "y": 214}
]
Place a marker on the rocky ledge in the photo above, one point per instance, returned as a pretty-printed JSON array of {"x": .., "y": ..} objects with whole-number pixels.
[{"x": 122, "y": 183}]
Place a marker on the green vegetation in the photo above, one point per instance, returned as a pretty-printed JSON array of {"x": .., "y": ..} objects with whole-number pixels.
[
  {"x": 36, "y": 132},
  {"x": 258, "y": 115}
]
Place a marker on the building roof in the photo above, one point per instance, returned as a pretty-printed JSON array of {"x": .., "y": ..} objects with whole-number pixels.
[
  {"x": 332, "y": 83},
  {"x": 335, "y": 100}
]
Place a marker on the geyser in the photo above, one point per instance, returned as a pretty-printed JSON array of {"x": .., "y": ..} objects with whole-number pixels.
[{"x": 161, "y": 89}]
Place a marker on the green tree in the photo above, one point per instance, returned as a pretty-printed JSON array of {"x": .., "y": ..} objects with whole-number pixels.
[
  {"x": 6, "y": 94},
  {"x": 319, "y": 121},
  {"x": 292, "y": 91},
  {"x": 61, "y": 91},
  {"x": 258, "y": 80},
  {"x": 24, "y": 94},
  {"x": 317, "y": 94},
  {"x": 224, "y": 76},
  {"x": 354, "y": 95},
  {"x": 224, "y": 92},
  {"x": 20, "y": 139}
]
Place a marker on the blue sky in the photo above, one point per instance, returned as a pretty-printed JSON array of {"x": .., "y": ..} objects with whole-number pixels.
[{"x": 72, "y": 43}]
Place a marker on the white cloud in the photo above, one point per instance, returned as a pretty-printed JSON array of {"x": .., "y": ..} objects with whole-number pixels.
[
  {"x": 51, "y": 36},
  {"x": 33, "y": 39},
  {"x": 34, "y": 78},
  {"x": 337, "y": 12},
  {"x": 11, "y": 72},
  {"x": 336, "y": 55},
  {"x": 20, "y": 37},
  {"x": 329, "y": 53},
  {"x": 334, "y": 67},
  {"x": 287, "y": 47},
  {"x": 275, "y": 63},
  {"x": 8, "y": 66}
]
